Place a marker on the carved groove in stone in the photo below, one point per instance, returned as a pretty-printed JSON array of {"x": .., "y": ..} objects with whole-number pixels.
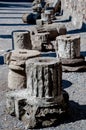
[
  {"x": 68, "y": 46},
  {"x": 43, "y": 78}
]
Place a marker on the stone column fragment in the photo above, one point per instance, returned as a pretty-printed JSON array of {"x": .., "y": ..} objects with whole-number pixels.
[
  {"x": 17, "y": 74},
  {"x": 68, "y": 46},
  {"x": 46, "y": 101},
  {"x": 42, "y": 42},
  {"x": 21, "y": 40},
  {"x": 68, "y": 49},
  {"x": 43, "y": 77}
]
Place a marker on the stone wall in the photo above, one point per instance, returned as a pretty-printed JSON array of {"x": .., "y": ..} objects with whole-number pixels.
[{"x": 76, "y": 9}]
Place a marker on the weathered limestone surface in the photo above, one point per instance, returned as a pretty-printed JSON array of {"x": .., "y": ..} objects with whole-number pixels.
[
  {"x": 43, "y": 77},
  {"x": 18, "y": 57},
  {"x": 16, "y": 79},
  {"x": 53, "y": 3},
  {"x": 54, "y": 30},
  {"x": 21, "y": 40},
  {"x": 68, "y": 46},
  {"x": 46, "y": 101},
  {"x": 68, "y": 49},
  {"x": 15, "y": 101},
  {"x": 17, "y": 74},
  {"x": 43, "y": 102},
  {"x": 41, "y": 42},
  {"x": 76, "y": 9}
]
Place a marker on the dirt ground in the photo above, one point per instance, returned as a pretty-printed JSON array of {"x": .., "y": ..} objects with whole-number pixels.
[{"x": 74, "y": 83}]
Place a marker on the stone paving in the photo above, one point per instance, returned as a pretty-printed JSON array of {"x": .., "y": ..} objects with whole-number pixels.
[{"x": 73, "y": 83}]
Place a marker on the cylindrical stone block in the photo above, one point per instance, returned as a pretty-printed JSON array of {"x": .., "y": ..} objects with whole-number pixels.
[
  {"x": 40, "y": 38},
  {"x": 68, "y": 46},
  {"x": 23, "y": 54},
  {"x": 44, "y": 76},
  {"x": 17, "y": 74},
  {"x": 16, "y": 79},
  {"x": 21, "y": 40}
]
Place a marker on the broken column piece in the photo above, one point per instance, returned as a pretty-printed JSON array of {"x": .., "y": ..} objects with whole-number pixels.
[
  {"x": 68, "y": 48},
  {"x": 45, "y": 99},
  {"x": 42, "y": 42},
  {"x": 17, "y": 74},
  {"x": 43, "y": 77},
  {"x": 21, "y": 40},
  {"x": 54, "y": 30}
]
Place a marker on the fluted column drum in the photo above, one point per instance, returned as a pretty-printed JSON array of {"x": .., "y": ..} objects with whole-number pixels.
[
  {"x": 68, "y": 46},
  {"x": 44, "y": 76}
]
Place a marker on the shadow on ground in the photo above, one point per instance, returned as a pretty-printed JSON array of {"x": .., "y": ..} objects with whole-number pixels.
[
  {"x": 74, "y": 113},
  {"x": 66, "y": 84},
  {"x": 1, "y": 60},
  {"x": 82, "y": 30},
  {"x": 13, "y": 5},
  {"x": 77, "y": 112},
  {"x": 6, "y": 36},
  {"x": 83, "y": 53}
]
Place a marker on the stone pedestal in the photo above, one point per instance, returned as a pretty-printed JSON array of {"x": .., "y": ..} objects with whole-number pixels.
[
  {"x": 68, "y": 48},
  {"x": 46, "y": 101},
  {"x": 21, "y": 40}
]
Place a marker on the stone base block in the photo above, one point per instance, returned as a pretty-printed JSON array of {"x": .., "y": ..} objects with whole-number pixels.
[
  {"x": 45, "y": 116},
  {"x": 15, "y": 101},
  {"x": 36, "y": 115},
  {"x": 74, "y": 65}
]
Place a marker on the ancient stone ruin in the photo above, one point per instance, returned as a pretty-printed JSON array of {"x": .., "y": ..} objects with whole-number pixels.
[
  {"x": 43, "y": 101},
  {"x": 68, "y": 48},
  {"x": 35, "y": 92},
  {"x": 35, "y": 85},
  {"x": 43, "y": 10}
]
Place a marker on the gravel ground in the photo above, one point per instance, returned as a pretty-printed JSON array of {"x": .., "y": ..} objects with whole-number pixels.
[{"x": 73, "y": 83}]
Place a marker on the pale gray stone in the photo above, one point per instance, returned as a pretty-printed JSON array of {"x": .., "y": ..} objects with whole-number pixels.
[
  {"x": 22, "y": 40},
  {"x": 16, "y": 79},
  {"x": 68, "y": 46},
  {"x": 42, "y": 76}
]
